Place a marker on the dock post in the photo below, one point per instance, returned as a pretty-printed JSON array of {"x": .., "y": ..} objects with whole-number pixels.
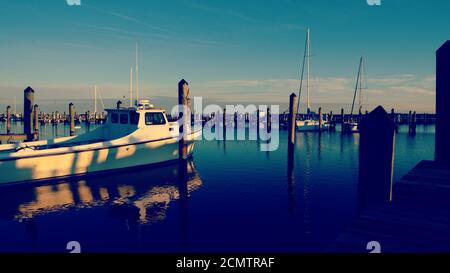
[
  {"x": 72, "y": 119},
  {"x": 224, "y": 120},
  {"x": 8, "y": 120},
  {"x": 342, "y": 121},
  {"x": 28, "y": 102},
  {"x": 413, "y": 124},
  {"x": 257, "y": 122},
  {"x": 291, "y": 128},
  {"x": 269, "y": 120},
  {"x": 36, "y": 122},
  {"x": 376, "y": 158},
  {"x": 442, "y": 154},
  {"x": 394, "y": 119},
  {"x": 183, "y": 101},
  {"x": 320, "y": 119}
]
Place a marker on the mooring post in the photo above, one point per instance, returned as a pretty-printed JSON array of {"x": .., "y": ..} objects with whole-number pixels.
[
  {"x": 291, "y": 128},
  {"x": 72, "y": 119},
  {"x": 257, "y": 121},
  {"x": 269, "y": 120},
  {"x": 376, "y": 158},
  {"x": 342, "y": 121},
  {"x": 394, "y": 119},
  {"x": 36, "y": 122},
  {"x": 28, "y": 103},
  {"x": 8, "y": 120},
  {"x": 320, "y": 119},
  {"x": 413, "y": 124},
  {"x": 183, "y": 101},
  {"x": 442, "y": 154}
]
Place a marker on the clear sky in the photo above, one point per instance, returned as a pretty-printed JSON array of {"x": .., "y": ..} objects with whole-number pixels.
[{"x": 230, "y": 51}]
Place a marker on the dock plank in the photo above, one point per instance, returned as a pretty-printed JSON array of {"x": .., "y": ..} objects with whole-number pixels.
[{"x": 418, "y": 219}]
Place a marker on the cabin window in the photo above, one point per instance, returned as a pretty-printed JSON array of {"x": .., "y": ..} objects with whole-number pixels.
[
  {"x": 134, "y": 118},
  {"x": 154, "y": 119},
  {"x": 124, "y": 119},
  {"x": 114, "y": 118}
]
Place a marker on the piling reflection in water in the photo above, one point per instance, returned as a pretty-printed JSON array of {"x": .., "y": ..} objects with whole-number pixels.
[{"x": 145, "y": 194}]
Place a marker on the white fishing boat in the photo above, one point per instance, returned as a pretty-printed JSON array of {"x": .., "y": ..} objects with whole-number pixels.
[
  {"x": 308, "y": 125},
  {"x": 131, "y": 137}
]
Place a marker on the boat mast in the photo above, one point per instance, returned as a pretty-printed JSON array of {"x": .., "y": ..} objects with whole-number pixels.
[
  {"x": 95, "y": 99},
  {"x": 358, "y": 84},
  {"x": 131, "y": 85},
  {"x": 308, "y": 42},
  {"x": 302, "y": 76},
  {"x": 137, "y": 72},
  {"x": 361, "y": 83}
]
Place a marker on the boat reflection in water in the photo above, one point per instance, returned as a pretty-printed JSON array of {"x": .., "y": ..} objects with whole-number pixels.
[{"x": 140, "y": 197}]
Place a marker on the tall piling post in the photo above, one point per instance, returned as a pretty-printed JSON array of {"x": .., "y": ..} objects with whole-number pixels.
[
  {"x": 72, "y": 119},
  {"x": 36, "y": 122},
  {"x": 291, "y": 129},
  {"x": 442, "y": 154},
  {"x": 269, "y": 120},
  {"x": 257, "y": 122},
  {"x": 8, "y": 120},
  {"x": 320, "y": 119},
  {"x": 183, "y": 101},
  {"x": 342, "y": 121},
  {"x": 376, "y": 158},
  {"x": 413, "y": 124},
  {"x": 28, "y": 103}
]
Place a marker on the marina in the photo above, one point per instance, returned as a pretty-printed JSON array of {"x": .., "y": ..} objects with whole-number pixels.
[{"x": 224, "y": 127}]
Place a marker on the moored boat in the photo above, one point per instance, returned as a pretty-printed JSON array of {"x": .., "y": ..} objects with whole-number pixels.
[{"x": 131, "y": 137}]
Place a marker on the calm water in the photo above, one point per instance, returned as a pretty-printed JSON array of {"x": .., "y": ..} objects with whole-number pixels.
[{"x": 236, "y": 199}]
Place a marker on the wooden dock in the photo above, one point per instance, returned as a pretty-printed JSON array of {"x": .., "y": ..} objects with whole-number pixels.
[{"x": 417, "y": 220}]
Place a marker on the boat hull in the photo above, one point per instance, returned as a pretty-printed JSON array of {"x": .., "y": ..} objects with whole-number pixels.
[{"x": 92, "y": 161}]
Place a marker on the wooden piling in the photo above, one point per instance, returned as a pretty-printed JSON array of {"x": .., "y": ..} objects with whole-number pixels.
[
  {"x": 8, "y": 120},
  {"x": 183, "y": 101},
  {"x": 413, "y": 124},
  {"x": 376, "y": 158},
  {"x": 442, "y": 147},
  {"x": 291, "y": 121},
  {"x": 72, "y": 119},
  {"x": 257, "y": 122},
  {"x": 269, "y": 120},
  {"x": 36, "y": 122},
  {"x": 28, "y": 103},
  {"x": 320, "y": 119}
]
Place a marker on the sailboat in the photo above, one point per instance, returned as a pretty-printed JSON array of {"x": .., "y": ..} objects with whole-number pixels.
[
  {"x": 351, "y": 126},
  {"x": 308, "y": 125}
]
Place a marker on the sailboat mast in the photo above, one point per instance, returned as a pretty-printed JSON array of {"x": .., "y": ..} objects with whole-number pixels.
[
  {"x": 357, "y": 85},
  {"x": 131, "y": 85},
  {"x": 95, "y": 99},
  {"x": 137, "y": 72},
  {"x": 309, "y": 68},
  {"x": 361, "y": 82},
  {"x": 302, "y": 76}
]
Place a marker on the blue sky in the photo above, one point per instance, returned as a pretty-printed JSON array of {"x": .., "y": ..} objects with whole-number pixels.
[{"x": 230, "y": 51}]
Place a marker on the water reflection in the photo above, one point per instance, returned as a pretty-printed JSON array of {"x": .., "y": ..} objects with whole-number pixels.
[{"x": 141, "y": 196}]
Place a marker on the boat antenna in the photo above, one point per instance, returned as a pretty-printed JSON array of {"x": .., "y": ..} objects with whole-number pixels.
[
  {"x": 308, "y": 41},
  {"x": 137, "y": 72},
  {"x": 302, "y": 76},
  {"x": 358, "y": 84},
  {"x": 95, "y": 99},
  {"x": 131, "y": 85}
]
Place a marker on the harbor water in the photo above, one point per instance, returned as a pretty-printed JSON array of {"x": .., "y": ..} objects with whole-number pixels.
[{"x": 236, "y": 199}]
